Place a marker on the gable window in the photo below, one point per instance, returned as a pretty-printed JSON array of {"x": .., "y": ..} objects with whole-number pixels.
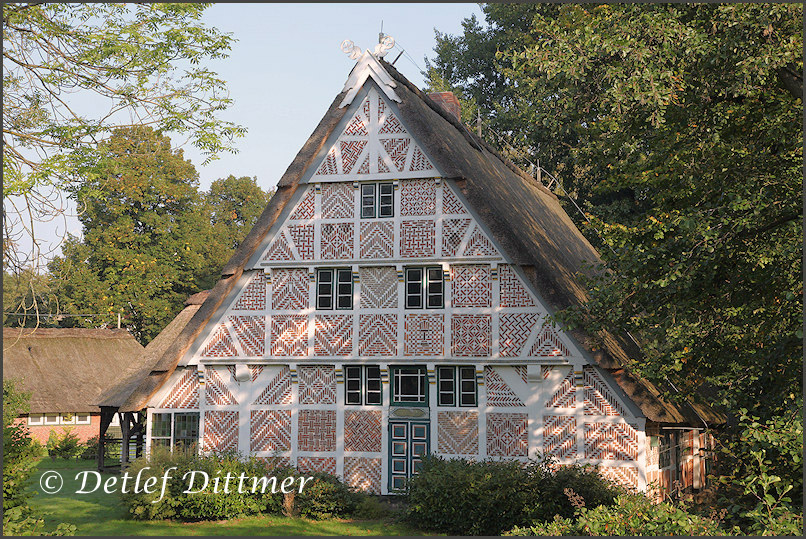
[
  {"x": 377, "y": 200},
  {"x": 409, "y": 386},
  {"x": 424, "y": 288},
  {"x": 456, "y": 386},
  {"x": 362, "y": 384},
  {"x": 334, "y": 287}
]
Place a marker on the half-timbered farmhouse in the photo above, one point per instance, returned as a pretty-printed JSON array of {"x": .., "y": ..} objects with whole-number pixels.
[{"x": 394, "y": 300}]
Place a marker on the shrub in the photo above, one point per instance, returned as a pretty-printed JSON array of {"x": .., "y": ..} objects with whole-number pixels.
[
  {"x": 206, "y": 504},
  {"x": 65, "y": 445},
  {"x": 485, "y": 498},
  {"x": 326, "y": 496},
  {"x": 630, "y": 515}
]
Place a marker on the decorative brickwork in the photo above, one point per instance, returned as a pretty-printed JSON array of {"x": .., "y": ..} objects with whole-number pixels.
[
  {"x": 220, "y": 431},
  {"x": 337, "y": 241},
  {"x": 559, "y": 436},
  {"x": 350, "y": 152},
  {"x": 270, "y": 430},
  {"x": 307, "y": 465},
  {"x": 185, "y": 392},
  {"x": 627, "y": 476},
  {"x": 289, "y": 335},
  {"x": 317, "y": 384},
  {"x": 216, "y": 390},
  {"x": 507, "y": 435},
  {"x": 305, "y": 208},
  {"x": 378, "y": 287},
  {"x": 514, "y": 330},
  {"x": 362, "y": 431},
  {"x": 450, "y": 202},
  {"x": 377, "y": 239},
  {"x": 513, "y": 291},
  {"x": 453, "y": 232},
  {"x": 333, "y": 335},
  {"x": 470, "y": 335},
  {"x": 565, "y": 396},
  {"x": 417, "y": 239},
  {"x": 458, "y": 433},
  {"x": 278, "y": 390},
  {"x": 220, "y": 345},
  {"x": 289, "y": 289},
  {"x": 253, "y": 297},
  {"x": 424, "y": 335},
  {"x": 548, "y": 343},
  {"x": 302, "y": 235},
  {"x": 471, "y": 285},
  {"x": 599, "y": 399},
  {"x": 316, "y": 430},
  {"x": 418, "y": 197},
  {"x": 610, "y": 441},
  {"x": 363, "y": 473},
  {"x": 279, "y": 249},
  {"x": 479, "y": 245},
  {"x": 499, "y": 393},
  {"x": 338, "y": 201},
  {"x": 377, "y": 334},
  {"x": 251, "y": 334},
  {"x": 397, "y": 149}
]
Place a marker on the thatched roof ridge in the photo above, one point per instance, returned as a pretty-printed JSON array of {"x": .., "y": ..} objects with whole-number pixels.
[
  {"x": 66, "y": 370},
  {"x": 525, "y": 218}
]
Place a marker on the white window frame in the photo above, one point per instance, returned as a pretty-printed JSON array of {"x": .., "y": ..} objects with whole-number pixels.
[
  {"x": 338, "y": 277},
  {"x": 423, "y": 293},
  {"x": 457, "y": 375},
  {"x": 40, "y": 419},
  {"x": 422, "y": 385},
  {"x": 63, "y": 419},
  {"x": 45, "y": 420},
  {"x": 80, "y": 421},
  {"x": 373, "y": 204}
]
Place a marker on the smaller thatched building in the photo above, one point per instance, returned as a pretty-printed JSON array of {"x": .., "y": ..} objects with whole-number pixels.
[{"x": 66, "y": 371}]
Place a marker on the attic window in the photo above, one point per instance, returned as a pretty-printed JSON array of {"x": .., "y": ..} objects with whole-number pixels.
[{"x": 377, "y": 200}]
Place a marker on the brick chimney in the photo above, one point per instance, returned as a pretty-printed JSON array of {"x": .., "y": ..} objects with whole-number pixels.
[{"x": 448, "y": 102}]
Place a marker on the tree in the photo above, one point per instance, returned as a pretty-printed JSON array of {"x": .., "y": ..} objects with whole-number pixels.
[
  {"x": 148, "y": 242},
  {"x": 678, "y": 128},
  {"x": 74, "y": 73},
  {"x": 235, "y": 204}
]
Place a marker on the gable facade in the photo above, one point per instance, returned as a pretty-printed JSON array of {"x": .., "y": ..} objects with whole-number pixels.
[{"x": 380, "y": 320}]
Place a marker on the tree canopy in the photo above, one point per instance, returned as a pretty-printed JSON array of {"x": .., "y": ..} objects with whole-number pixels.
[
  {"x": 73, "y": 73},
  {"x": 678, "y": 129},
  {"x": 150, "y": 238}
]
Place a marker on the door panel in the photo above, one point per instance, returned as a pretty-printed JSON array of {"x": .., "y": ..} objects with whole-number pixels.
[{"x": 408, "y": 444}]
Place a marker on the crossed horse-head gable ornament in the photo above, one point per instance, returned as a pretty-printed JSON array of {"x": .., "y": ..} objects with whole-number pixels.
[{"x": 381, "y": 49}]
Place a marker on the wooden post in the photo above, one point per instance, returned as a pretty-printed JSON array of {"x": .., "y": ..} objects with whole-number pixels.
[
  {"x": 107, "y": 413},
  {"x": 124, "y": 442}
]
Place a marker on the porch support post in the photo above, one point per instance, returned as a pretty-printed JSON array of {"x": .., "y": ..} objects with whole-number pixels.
[{"x": 107, "y": 413}]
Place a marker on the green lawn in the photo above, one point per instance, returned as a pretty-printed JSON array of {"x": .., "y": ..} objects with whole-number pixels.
[{"x": 105, "y": 514}]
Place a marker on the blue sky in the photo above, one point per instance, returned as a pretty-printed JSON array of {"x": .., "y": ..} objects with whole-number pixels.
[
  {"x": 284, "y": 71},
  {"x": 287, "y": 67}
]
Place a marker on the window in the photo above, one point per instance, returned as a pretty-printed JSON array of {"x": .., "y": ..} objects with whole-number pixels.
[
  {"x": 409, "y": 386},
  {"x": 51, "y": 419},
  {"x": 82, "y": 419},
  {"x": 174, "y": 429},
  {"x": 377, "y": 200},
  {"x": 334, "y": 287},
  {"x": 186, "y": 429},
  {"x": 362, "y": 384},
  {"x": 424, "y": 286},
  {"x": 161, "y": 430},
  {"x": 456, "y": 386},
  {"x": 35, "y": 419}
]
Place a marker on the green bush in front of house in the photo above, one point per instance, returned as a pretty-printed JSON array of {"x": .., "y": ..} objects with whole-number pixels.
[
  {"x": 462, "y": 497},
  {"x": 630, "y": 515},
  {"x": 324, "y": 496}
]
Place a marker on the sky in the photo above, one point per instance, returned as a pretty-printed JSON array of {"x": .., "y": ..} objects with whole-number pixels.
[{"x": 285, "y": 69}]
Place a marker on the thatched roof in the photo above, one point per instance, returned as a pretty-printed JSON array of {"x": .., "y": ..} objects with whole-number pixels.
[
  {"x": 525, "y": 218},
  {"x": 66, "y": 370},
  {"x": 131, "y": 391}
]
